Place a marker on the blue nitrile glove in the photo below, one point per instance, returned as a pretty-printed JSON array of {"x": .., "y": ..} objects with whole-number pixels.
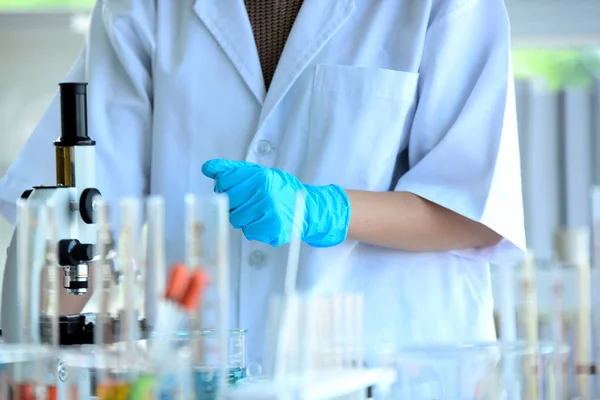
[{"x": 262, "y": 201}]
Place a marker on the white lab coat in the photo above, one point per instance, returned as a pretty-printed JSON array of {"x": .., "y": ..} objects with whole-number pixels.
[{"x": 173, "y": 84}]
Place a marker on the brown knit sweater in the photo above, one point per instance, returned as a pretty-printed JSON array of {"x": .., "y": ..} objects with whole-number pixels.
[{"x": 272, "y": 22}]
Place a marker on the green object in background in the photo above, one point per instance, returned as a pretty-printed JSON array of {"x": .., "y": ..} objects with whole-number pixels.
[
  {"x": 559, "y": 68},
  {"x": 143, "y": 388},
  {"x": 45, "y": 5}
]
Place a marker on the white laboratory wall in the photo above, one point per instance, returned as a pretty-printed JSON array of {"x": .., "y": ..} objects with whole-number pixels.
[{"x": 35, "y": 55}]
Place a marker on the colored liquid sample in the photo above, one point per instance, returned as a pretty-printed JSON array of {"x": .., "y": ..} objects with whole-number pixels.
[
  {"x": 51, "y": 393},
  {"x": 143, "y": 389},
  {"x": 205, "y": 381},
  {"x": 24, "y": 391},
  {"x": 29, "y": 391},
  {"x": 113, "y": 391},
  {"x": 73, "y": 393},
  {"x": 169, "y": 389}
]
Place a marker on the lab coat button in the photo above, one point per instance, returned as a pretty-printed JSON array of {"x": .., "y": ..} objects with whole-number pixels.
[
  {"x": 263, "y": 147},
  {"x": 256, "y": 259}
]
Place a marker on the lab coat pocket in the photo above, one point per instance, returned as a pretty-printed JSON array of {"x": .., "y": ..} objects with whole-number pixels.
[{"x": 359, "y": 120}]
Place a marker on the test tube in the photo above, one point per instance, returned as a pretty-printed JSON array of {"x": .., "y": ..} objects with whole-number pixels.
[
  {"x": 127, "y": 253},
  {"x": 156, "y": 262},
  {"x": 531, "y": 318},
  {"x": 167, "y": 379},
  {"x": 118, "y": 371},
  {"x": 52, "y": 290},
  {"x": 193, "y": 254},
  {"x": 104, "y": 271},
  {"x": 210, "y": 214},
  {"x": 338, "y": 333},
  {"x": 25, "y": 374},
  {"x": 573, "y": 247},
  {"x": 353, "y": 310},
  {"x": 26, "y": 222},
  {"x": 104, "y": 287},
  {"x": 558, "y": 309},
  {"x": 305, "y": 337},
  {"x": 52, "y": 301},
  {"x": 323, "y": 327},
  {"x": 596, "y": 284}
]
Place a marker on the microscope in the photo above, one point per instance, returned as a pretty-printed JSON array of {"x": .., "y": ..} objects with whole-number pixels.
[{"x": 73, "y": 199}]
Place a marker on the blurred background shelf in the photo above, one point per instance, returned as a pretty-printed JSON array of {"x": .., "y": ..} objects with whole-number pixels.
[{"x": 555, "y": 22}]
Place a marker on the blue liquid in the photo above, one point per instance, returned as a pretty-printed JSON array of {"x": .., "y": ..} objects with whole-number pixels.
[
  {"x": 205, "y": 381},
  {"x": 169, "y": 389}
]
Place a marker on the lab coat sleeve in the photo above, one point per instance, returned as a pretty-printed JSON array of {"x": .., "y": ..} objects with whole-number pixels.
[
  {"x": 116, "y": 64},
  {"x": 463, "y": 147}
]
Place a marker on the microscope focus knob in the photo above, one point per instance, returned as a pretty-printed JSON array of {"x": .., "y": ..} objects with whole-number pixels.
[
  {"x": 73, "y": 252},
  {"x": 86, "y": 204}
]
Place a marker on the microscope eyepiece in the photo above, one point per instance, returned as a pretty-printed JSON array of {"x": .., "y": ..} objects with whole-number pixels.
[
  {"x": 74, "y": 142},
  {"x": 73, "y": 108}
]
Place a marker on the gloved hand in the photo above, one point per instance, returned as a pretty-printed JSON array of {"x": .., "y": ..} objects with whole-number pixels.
[{"x": 262, "y": 201}]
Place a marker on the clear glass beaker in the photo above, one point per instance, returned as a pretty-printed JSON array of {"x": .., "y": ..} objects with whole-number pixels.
[
  {"x": 203, "y": 344},
  {"x": 527, "y": 372},
  {"x": 480, "y": 371}
]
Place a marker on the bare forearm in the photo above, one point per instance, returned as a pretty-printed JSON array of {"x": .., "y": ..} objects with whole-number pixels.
[{"x": 405, "y": 221}]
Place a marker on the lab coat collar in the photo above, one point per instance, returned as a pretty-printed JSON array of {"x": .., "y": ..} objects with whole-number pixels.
[
  {"x": 228, "y": 22},
  {"x": 316, "y": 23}
]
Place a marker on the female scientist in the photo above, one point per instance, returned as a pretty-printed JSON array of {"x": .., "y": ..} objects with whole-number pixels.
[{"x": 395, "y": 117}]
